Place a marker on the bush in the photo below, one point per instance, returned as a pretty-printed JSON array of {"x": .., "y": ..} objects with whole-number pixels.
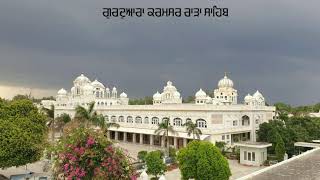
[
  {"x": 155, "y": 165},
  {"x": 142, "y": 155},
  {"x": 173, "y": 154},
  {"x": 86, "y": 154},
  {"x": 202, "y": 160}
]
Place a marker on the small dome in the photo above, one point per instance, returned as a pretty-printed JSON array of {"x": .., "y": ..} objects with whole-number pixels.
[
  {"x": 98, "y": 84},
  {"x": 225, "y": 82},
  {"x": 258, "y": 95},
  {"x": 62, "y": 92},
  {"x": 201, "y": 94},
  {"x": 114, "y": 89},
  {"x": 123, "y": 95},
  {"x": 157, "y": 96},
  {"x": 107, "y": 89},
  {"x": 73, "y": 89},
  {"x": 248, "y": 98},
  {"x": 82, "y": 79}
]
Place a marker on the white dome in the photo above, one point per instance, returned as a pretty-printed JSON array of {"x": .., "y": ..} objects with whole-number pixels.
[
  {"x": 201, "y": 94},
  {"x": 157, "y": 96},
  {"x": 123, "y": 95},
  {"x": 225, "y": 82},
  {"x": 73, "y": 89},
  {"x": 107, "y": 89},
  {"x": 258, "y": 96},
  {"x": 169, "y": 87},
  {"x": 82, "y": 79},
  {"x": 98, "y": 84},
  {"x": 62, "y": 92},
  {"x": 248, "y": 98},
  {"x": 114, "y": 89}
]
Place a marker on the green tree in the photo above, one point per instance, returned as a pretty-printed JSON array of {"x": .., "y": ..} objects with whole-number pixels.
[
  {"x": 202, "y": 160},
  {"x": 154, "y": 162},
  {"x": 164, "y": 128},
  {"x": 280, "y": 149},
  {"x": 142, "y": 155},
  {"x": 193, "y": 129},
  {"x": 23, "y": 133},
  {"x": 62, "y": 120}
]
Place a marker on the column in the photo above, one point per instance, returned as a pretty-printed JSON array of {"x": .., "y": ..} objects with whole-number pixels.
[
  {"x": 134, "y": 138},
  {"x": 185, "y": 142},
  {"x": 175, "y": 142},
  {"x": 124, "y": 136},
  {"x": 162, "y": 141},
  {"x": 109, "y": 134},
  {"x": 151, "y": 139},
  {"x": 116, "y": 135},
  {"x": 141, "y": 138}
]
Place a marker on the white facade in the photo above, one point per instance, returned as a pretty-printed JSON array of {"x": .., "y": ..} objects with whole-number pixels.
[
  {"x": 253, "y": 153},
  {"x": 220, "y": 118}
]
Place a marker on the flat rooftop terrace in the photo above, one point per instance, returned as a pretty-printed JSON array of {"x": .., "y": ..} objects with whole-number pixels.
[{"x": 303, "y": 167}]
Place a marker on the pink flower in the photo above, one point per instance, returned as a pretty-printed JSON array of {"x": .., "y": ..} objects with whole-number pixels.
[
  {"x": 66, "y": 167},
  {"x": 90, "y": 142}
]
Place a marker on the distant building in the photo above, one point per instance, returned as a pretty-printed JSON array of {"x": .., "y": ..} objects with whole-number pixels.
[{"x": 220, "y": 118}]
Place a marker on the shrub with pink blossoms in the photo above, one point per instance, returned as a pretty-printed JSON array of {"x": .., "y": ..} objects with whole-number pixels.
[{"x": 86, "y": 154}]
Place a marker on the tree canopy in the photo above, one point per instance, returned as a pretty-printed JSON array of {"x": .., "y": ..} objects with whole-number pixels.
[
  {"x": 155, "y": 165},
  {"x": 23, "y": 133},
  {"x": 141, "y": 101},
  {"x": 202, "y": 160}
]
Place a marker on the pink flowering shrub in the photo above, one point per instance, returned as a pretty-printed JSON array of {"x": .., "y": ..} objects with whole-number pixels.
[{"x": 85, "y": 154}]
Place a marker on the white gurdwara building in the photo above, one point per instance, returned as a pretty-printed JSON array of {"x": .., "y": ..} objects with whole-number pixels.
[{"x": 220, "y": 118}]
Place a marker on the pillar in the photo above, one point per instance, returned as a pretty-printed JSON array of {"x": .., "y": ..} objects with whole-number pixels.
[
  {"x": 124, "y": 136},
  {"x": 134, "y": 139},
  {"x": 109, "y": 134},
  {"x": 151, "y": 139},
  {"x": 175, "y": 142},
  {"x": 116, "y": 135},
  {"x": 185, "y": 142},
  {"x": 141, "y": 138},
  {"x": 162, "y": 141}
]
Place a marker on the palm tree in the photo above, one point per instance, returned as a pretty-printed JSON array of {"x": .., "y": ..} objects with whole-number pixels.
[
  {"x": 193, "y": 129},
  {"x": 90, "y": 117},
  {"x": 62, "y": 120},
  {"x": 163, "y": 129},
  {"x": 50, "y": 119}
]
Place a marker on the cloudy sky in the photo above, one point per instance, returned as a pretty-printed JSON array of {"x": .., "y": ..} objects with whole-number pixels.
[{"x": 269, "y": 45}]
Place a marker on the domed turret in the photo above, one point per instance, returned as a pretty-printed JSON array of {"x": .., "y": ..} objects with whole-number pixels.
[
  {"x": 225, "y": 82},
  {"x": 248, "y": 98},
  {"x": 176, "y": 94},
  {"x": 62, "y": 92},
  {"x": 201, "y": 94},
  {"x": 123, "y": 95},
  {"x": 157, "y": 96},
  {"x": 257, "y": 94},
  {"x": 169, "y": 87},
  {"x": 97, "y": 84},
  {"x": 82, "y": 79}
]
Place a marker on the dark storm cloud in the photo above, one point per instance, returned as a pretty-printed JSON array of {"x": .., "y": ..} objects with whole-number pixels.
[{"x": 269, "y": 45}]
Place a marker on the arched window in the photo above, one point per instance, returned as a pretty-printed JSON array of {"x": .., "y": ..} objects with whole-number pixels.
[
  {"x": 177, "y": 122},
  {"x": 97, "y": 94},
  {"x": 102, "y": 103},
  {"x": 121, "y": 119},
  {"x": 201, "y": 123},
  {"x": 188, "y": 119},
  {"x": 106, "y": 118},
  {"x": 146, "y": 120},
  {"x": 129, "y": 119},
  {"x": 138, "y": 120},
  {"x": 113, "y": 119},
  {"x": 166, "y": 119},
  {"x": 155, "y": 120},
  {"x": 245, "y": 120}
]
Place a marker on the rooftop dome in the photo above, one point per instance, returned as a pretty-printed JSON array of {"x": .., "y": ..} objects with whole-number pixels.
[
  {"x": 114, "y": 89},
  {"x": 123, "y": 95},
  {"x": 157, "y": 96},
  {"x": 82, "y": 79},
  {"x": 96, "y": 83},
  {"x": 88, "y": 87},
  {"x": 169, "y": 87},
  {"x": 225, "y": 82},
  {"x": 201, "y": 94},
  {"x": 257, "y": 95},
  {"x": 107, "y": 89},
  {"x": 62, "y": 92},
  {"x": 176, "y": 94},
  {"x": 248, "y": 98}
]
